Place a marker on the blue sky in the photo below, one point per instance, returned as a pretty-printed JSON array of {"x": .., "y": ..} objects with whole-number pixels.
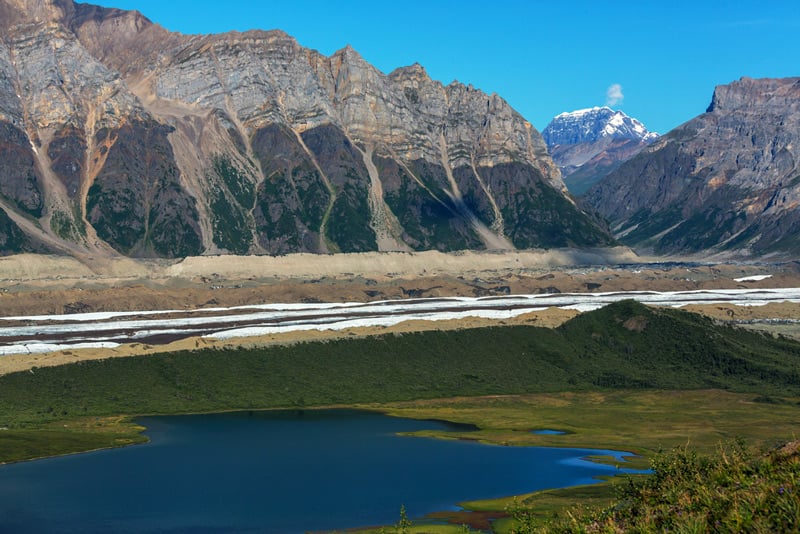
[{"x": 542, "y": 57}]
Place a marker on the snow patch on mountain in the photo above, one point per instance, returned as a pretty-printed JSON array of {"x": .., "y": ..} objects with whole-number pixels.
[
  {"x": 587, "y": 144},
  {"x": 591, "y": 124}
]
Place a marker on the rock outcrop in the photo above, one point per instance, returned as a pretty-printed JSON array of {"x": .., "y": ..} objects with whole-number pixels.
[
  {"x": 727, "y": 181},
  {"x": 119, "y": 137},
  {"x": 588, "y": 144}
]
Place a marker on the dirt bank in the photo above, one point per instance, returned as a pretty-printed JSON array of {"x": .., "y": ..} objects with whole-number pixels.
[
  {"x": 35, "y": 285},
  {"x": 31, "y": 284}
]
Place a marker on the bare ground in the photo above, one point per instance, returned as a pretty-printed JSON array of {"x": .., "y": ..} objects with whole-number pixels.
[{"x": 35, "y": 285}]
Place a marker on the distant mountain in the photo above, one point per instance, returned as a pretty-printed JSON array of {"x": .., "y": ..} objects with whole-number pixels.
[
  {"x": 120, "y": 137},
  {"x": 589, "y": 143},
  {"x": 726, "y": 181}
]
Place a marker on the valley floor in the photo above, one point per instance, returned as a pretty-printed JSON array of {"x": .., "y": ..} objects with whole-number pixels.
[
  {"x": 47, "y": 285},
  {"x": 31, "y": 284},
  {"x": 505, "y": 393}
]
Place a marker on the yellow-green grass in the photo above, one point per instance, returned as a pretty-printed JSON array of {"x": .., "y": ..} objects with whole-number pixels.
[
  {"x": 418, "y": 528},
  {"x": 71, "y": 435},
  {"x": 642, "y": 422}
]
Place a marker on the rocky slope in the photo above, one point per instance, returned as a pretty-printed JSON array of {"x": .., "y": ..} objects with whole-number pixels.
[
  {"x": 726, "y": 181},
  {"x": 588, "y": 144},
  {"x": 119, "y": 137}
]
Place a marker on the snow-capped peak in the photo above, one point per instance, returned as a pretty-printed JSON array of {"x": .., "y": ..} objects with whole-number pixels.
[
  {"x": 590, "y": 124},
  {"x": 581, "y": 112}
]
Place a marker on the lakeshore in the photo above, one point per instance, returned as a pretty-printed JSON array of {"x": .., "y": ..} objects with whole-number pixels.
[{"x": 478, "y": 370}]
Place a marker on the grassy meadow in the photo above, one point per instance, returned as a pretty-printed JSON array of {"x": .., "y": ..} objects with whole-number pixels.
[{"x": 650, "y": 423}]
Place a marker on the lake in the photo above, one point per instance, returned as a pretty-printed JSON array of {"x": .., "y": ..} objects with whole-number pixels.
[{"x": 288, "y": 471}]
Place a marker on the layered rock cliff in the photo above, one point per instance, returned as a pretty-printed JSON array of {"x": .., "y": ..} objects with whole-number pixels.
[
  {"x": 588, "y": 144},
  {"x": 727, "y": 180},
  {"x": 117, "y": 136}
]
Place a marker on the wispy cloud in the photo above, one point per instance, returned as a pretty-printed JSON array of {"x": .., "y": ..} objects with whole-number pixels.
[{"x": 614, "y": 95}]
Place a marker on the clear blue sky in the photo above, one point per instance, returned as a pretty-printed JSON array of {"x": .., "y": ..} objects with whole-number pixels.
[{"x": 542, "y": 57}]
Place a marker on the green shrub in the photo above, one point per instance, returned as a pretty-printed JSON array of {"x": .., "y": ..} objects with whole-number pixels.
[{"x": 733, "y": 491}]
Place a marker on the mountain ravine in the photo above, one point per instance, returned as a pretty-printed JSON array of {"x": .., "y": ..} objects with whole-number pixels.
[{"x": 119, "y": 137}]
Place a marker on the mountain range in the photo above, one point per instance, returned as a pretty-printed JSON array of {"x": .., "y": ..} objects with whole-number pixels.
[
  {"x": 725, "y": 182},
  {"x": 588, "y": 144},
  {"x": 120, "y": 137}
]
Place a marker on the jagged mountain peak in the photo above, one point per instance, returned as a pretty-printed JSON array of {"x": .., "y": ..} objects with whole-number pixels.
[
  {"x": 757, "y": 94},
  {"x": 589, "y": 143},
  {"x": 585, "y": 111},
  {"x": 347, "y": 51},
  {"x": 351, "y": 57},
  {"x": 85, "y": 12},
  {"x": 411, "y": 72},
  {"x": 67, "y": 13},
  {"x": 590, "y": 124}
]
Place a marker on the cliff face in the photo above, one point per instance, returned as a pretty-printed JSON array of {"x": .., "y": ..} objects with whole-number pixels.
[
  {"x": 725, "y": 181},
  {"x": 117, "y": 136},
  {"x": 588, "y": 144}
]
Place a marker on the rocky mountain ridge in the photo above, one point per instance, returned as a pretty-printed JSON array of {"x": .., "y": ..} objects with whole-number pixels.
[
  {"x": 724, "y": 182},
  {"x": 587, "y": 144},
  {"x": 119, "y": 137},
  {"x": 591, "y": 124}
]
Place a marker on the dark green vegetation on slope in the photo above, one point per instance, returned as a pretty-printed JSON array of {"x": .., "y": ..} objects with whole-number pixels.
[
  {"x": 421, "y": 205},
  {"x": 348, "y": 225},
  {"x": 11, "y": 237},
  {"x": 625, "y": 345},
  {"x": 20, "y": 186},
  {"x": 734, "y": 490},
  {"x": 538, "y": 215},
  {"x": 231, "y": 199},
  {"x": 137, "y": 203},
  {"x": 293, "y": 198}
]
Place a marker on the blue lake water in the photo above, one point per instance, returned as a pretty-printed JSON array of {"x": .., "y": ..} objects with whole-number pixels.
[{"x": 274, "y": 472}]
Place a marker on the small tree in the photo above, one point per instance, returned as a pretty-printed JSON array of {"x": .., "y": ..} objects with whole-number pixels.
[{"x": 404, "y": 525}]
